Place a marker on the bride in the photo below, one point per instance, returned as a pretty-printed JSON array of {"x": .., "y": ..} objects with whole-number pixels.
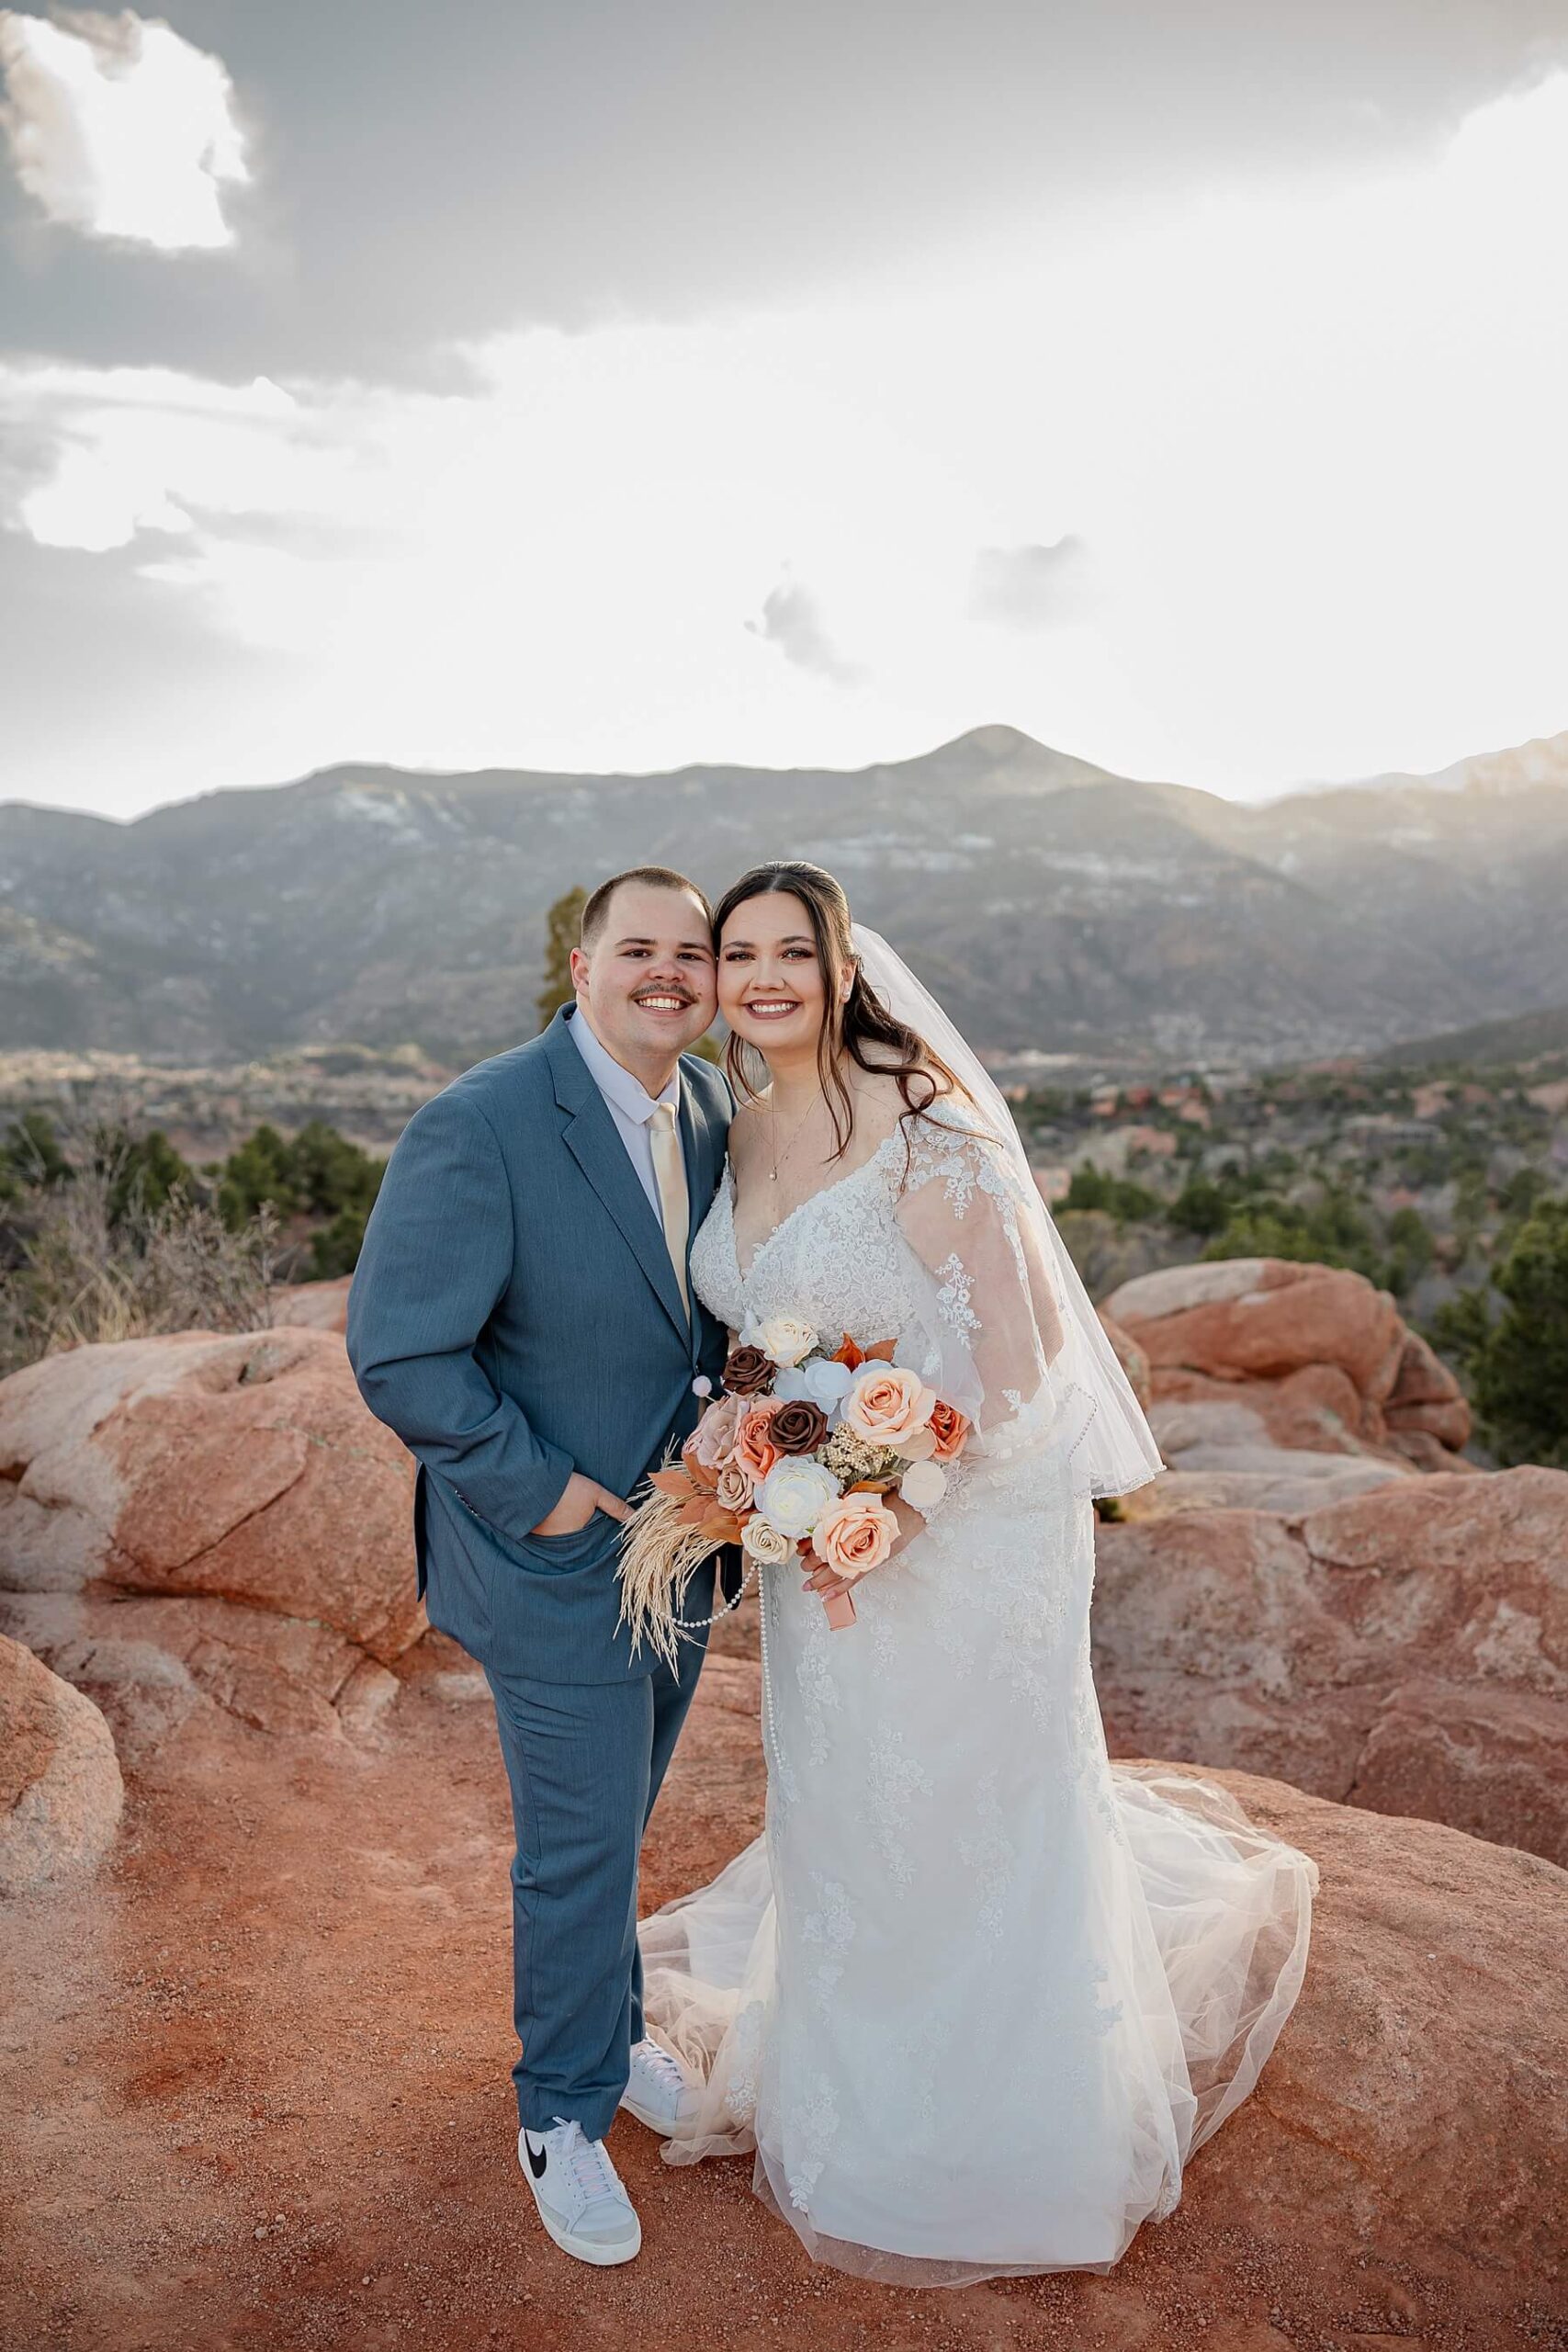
[{"x": 976, "y": 1994}]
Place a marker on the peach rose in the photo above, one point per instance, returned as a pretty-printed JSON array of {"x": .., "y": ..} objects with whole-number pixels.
[
  {"x": 950, "y": 1428},
  {"x": 754, "y": 1451},
  {"x": 891, "y": 1405},
  {"x": 736, "y": 1490},
  {"x": 712, "y": 1441},
  {"x": 854, "y": 1535}
]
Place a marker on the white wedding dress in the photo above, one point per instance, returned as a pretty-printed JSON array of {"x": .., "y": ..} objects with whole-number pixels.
[{"x": 975, "y": 1994}]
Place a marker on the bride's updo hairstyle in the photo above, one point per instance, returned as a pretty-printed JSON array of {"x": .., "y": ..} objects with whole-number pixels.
[{"x": 858, "y": 1027}]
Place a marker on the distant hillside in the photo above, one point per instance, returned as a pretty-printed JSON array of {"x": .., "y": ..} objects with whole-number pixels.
[
  {"x": 1052, "y": 904},
  {"x": 1490, "y": 1043}
]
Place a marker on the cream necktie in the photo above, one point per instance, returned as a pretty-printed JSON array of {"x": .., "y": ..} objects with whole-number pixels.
[{"x": 674, "y": 1201}]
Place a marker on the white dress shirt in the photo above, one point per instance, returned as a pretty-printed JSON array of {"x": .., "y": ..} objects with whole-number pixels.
[{"x": 631, "y": 1107}]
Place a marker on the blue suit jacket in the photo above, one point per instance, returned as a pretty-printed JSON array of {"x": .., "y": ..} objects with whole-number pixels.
[{"x": 515, "y": 1315}]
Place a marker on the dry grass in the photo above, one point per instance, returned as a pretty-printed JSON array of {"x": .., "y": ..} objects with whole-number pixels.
[{"x": 88, "y": 1259}]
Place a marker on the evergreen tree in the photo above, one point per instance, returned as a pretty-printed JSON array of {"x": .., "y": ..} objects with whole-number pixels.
[
  {"x": 30, "y": 1156},
  {"x": 1519, "y": 1370},
  {"x": 562, "y": 926},
  {"x": 262, "y": 1169}
]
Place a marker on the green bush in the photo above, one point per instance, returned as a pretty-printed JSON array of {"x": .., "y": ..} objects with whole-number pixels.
[
  {"x": 1125, "y": 1201},
  {"x": 1410, "y": 1248},
  {"x": 1201, "y": 1206},
  {"x": 320, "y": 1174},
  {"x": 262, "y": 1169},
  {"x": 1517, "y": 1361},
  {"x": 1330, "y": 1231}
]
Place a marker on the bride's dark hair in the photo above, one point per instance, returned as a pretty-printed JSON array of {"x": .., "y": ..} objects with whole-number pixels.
[{"x": 858, "y": 1027}]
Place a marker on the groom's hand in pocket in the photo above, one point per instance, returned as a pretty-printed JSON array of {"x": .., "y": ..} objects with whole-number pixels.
[{"x": 580, "y": 1498}]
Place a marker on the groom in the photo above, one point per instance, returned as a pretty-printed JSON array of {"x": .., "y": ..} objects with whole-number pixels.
[{"x": 521, "y": 1316}]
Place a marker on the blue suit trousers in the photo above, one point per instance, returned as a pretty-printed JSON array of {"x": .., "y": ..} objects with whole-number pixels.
[{"x": 586, "y": 1761}]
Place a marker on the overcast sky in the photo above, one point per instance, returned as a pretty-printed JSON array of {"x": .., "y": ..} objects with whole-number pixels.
[{"x": 619, "y": 386}]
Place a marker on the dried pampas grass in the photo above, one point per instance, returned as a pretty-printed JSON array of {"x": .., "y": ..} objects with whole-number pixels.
[{"x": 660, "y": 1553}]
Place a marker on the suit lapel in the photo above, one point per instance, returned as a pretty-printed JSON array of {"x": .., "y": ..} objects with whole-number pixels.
[{"x": 593, "y": 1140}]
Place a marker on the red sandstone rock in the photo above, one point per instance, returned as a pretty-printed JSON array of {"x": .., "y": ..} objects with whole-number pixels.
[
  {"x": 1133, "y": 1358},
  {"x": 239, "y": 1484},
  {"x": 1316, "y": 1410},
  {"x": 1409, "y": 2138},
  {"x": 1408, "y": 1648},
  {"x": 1281, "y": 1317},
  {"x": 305, "y": 1992},
  {"x": 59, "y": 1785},
  {"x": 1423, "y": 1379},
  {"x": 1425, "y": 1453},
  {"x": 320, "y": 1307},
  {"x": 1318, "y": 1358}
]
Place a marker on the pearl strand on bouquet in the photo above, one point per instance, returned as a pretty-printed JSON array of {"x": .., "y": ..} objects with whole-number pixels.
[{"x": 696, "y": 1624}]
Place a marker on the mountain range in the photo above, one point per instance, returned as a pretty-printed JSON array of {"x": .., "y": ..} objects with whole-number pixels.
[{"x": 1055, "y": 907}]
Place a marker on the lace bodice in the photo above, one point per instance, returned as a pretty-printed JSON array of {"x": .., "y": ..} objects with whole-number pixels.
[
  {"x": 839, "y": 1259},
  {"x": 921, "y": 1244}
]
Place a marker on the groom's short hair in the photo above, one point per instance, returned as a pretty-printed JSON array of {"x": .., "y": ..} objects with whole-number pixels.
[{"x": 661, "y": 877}]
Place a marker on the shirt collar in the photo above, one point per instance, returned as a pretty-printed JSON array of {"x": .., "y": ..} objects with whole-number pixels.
[{"x": 621, "y": 1089}]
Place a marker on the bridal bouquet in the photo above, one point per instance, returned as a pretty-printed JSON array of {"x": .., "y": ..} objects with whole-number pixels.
[{"x": 792, "y": 1460}]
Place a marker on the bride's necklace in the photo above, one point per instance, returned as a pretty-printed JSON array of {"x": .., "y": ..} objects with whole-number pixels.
[{"x": 776, "y": 1158}]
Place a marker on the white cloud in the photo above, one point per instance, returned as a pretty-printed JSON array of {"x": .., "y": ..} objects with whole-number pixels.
[
  {"x": 136, "y": 447},
  {"x": 120, "y": 127},
  {"x": 1310, "y": 437},
  {"x": 791, "y": 620},
  {"x": 1027, "y": 587}
]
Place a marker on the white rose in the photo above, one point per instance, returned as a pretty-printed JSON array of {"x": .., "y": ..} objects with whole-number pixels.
[
  {"x": 763, "y": 1541},
  {"x": 785, "y": 1339},
  {"x": 819, "y": 1381},
  {"x": 923, "y": 1485},
  {"x": 796, "y": 1493}
]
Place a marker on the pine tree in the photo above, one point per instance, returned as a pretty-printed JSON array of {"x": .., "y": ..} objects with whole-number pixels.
[
  {"x": 1519, "y": 1370},
  {"x": 562, "y": 926}
]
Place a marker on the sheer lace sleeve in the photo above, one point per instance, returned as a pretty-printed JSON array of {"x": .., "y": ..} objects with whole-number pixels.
[{"x": 993, "y": 1314}]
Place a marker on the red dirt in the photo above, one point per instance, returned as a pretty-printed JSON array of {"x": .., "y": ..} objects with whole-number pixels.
[{"x": 260, "y": 2072}]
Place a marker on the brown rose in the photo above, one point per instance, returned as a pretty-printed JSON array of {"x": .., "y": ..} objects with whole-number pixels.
[
  {"x": 949, "y": 1428},
  {"x": 747, "y": 1371},
  {"x": 798, "y": 1427}
]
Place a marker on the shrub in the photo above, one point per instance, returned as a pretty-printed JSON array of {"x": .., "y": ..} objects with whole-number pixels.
[
  {"x": 101, "y": 1247},
  {"x": 1125, "y": 1201},
  {"x": 1517, "y": 1361},
  {"x": 1331, "y": 1231}
]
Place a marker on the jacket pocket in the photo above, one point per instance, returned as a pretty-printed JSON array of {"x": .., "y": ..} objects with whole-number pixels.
[{"x": 594, "y": 1540}]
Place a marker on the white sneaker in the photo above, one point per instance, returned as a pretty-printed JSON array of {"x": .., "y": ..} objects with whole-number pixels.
[
  {"x": 579, "y": 2193},
  {"x": 658, "y": 2091}
]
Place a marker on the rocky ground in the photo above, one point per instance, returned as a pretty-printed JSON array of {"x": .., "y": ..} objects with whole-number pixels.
[
  {"x": 253, "y": 1950},
  {"x": 258, "y": 2068}
]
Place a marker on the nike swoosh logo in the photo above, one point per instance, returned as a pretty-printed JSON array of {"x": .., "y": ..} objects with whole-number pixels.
[{"x": 536, "y": 2162}]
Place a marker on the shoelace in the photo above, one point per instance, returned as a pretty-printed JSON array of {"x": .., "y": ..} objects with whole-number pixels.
[
  {"x": 660, "y": 2063},
  {"x": 587, "y": 2163}
]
